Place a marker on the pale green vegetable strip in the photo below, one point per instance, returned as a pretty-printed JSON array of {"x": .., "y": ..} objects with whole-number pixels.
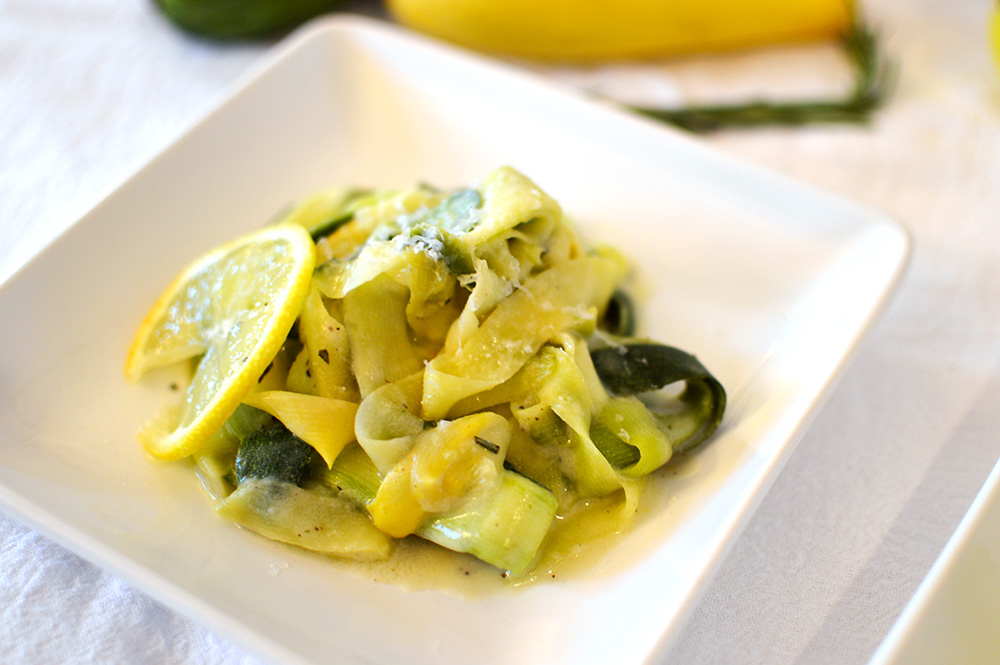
[
  {"x": 539, "y": 456},
  {"x": 489, "y": 289},
  {"x": 504, "y": 528},
  {"x": 567, "y": 393},
  {"x": 433, "y": 303},
  {"x": 354, "y": 475},
  {"x": 381, "y": 350},
  {"x": 386, "y": 423},
  {"x": 555, "y": 300},
  {"x": 641, "y": 446},
  {"x": 326, "y": 351},
  {"x": 510, "y": 199},
  {"x": 214, "y": 460},
  {"x": 386, "y": 214},
  {"x": 516, "y": 389},
  {"x": 552, "y": 398},
  {"x": 246, "y": 420},
  {"x": 315, "y": 520},
  {"x": 335, "y": 279}
]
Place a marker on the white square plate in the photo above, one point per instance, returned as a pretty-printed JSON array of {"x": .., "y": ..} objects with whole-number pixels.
[
  {"x": 954, "y": 614},
  {"x": 770, "y": 283}
]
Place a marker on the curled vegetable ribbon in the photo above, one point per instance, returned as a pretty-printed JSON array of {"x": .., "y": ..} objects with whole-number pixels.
[{"x": 633, "y": 368}]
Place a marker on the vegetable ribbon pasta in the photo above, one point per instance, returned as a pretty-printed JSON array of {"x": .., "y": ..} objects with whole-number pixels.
[{"x": 448, "y": 378}]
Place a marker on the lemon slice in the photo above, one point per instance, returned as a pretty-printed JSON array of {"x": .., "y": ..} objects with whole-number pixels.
[{"x": 232, "y": 309}]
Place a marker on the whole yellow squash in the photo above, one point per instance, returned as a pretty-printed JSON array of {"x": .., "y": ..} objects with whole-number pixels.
[
  {"x": 994, "y": 29},
  {"x": 591, "y": 30}
]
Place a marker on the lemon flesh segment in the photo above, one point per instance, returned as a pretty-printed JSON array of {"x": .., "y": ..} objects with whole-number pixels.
[{"x": 234, "y": 308}]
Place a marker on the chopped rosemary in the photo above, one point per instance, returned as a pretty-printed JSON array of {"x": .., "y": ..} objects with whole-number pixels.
[
  {"x": 872, "y": 81},
  {"x": 488, "y": 445}
]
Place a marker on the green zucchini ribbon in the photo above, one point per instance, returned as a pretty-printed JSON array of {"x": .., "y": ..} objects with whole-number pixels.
[{"x": 633, "y": 368}]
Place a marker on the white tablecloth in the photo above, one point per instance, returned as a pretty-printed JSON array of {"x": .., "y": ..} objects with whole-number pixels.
[{"x": 89, "y": 89}]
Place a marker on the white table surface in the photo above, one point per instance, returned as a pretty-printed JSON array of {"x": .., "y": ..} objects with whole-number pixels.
[{"x": 90, "y": 89}]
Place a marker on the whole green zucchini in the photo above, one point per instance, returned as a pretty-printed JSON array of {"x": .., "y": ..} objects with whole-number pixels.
[{"x": 243, "y": 19}]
